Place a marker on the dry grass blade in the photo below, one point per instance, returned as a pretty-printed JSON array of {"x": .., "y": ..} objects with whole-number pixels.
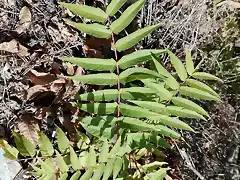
[{"x": 25, "y": 19}]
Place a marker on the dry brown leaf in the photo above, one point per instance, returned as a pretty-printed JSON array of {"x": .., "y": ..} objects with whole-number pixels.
[
  {"x": 35, "y": 91},
  {"x": 28, "y": 127},
  {"x": 57, "y": 85},
  {"x": 14, "y": 47},
  {"x": 40, "y": 78},
  {"x": 70, "y": 69},
  {"x": 25, "y": 19}
]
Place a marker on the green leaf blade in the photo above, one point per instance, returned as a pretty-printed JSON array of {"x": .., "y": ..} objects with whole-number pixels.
[
  {"x": 45, "y": 146},
  {"x": 117, "y": 167},
  {"x": 93, "y": 63},
  {"x": 114, "y": 6},
  {"x": 101, "y": 95},
  {"x": 61, "y": 163},
  {"x": 197, "y": 94},
  {"x": 96, "y": 79},
  {"x": 205, "y": 76},
  {"x": 189, "y": 63},
  {"x": 99, "y": 108},
  {"x": 103, "y": 157},
  {"x": 182, "y": 102},
  {"x": 76, "y": 175},
  {"x": 127, "y": 16},
  {"x": 63, "y": 142},
  {"x": 133, "y": 38},
  {"x": 96, "y": 30},
  {"x": 74, "y": 159},
  {"x": 201, "y": 86},
  {"x": 99, "y": 172},
  {"x": 109, "y": 169},
  {"x": 138, "y": 57},
  {"x": 95, "y": 14},
  {"x": 178, "y": 65}
]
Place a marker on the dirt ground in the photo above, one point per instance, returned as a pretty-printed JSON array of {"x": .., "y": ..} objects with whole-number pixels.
[{"x": 33, "y": 37}]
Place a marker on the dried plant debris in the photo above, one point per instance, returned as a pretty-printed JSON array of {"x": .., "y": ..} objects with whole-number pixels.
[
  {"x": 25, "y": 20},
  {"x": 14, "y": 47}
]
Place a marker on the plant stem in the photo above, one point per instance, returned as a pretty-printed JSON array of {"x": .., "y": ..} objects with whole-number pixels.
[{"x": 118, "y": 84}]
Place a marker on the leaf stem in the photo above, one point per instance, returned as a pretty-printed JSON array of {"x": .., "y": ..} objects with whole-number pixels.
[{"x": 118, "y": 84}]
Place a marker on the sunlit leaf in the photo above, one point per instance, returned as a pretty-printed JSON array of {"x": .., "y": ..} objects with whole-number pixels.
[
  {"x": 138, "y": 57},
  {"x": 152, "y": 166},
  {"x": 181, "y": 112},
  {"x": 152, "y": 106},
  {"x": 24, "y": 146},
  {"x": 101, "y": 95},
  {"x": 133, "y": 38},
  {"x": 92, "y": 157},
  {"x": 114, "y": 6},
  {"x": 99, "y": 172},
  {"x": 137, "y": 71},
  {"x": 76, "y": 175},
  {"x": 74, "y": 159},
  {"x": 117, "y": 167},
  {"x": 199, "y": 85},
  {"x": 92, "y": 13},
  {"x": 47, "y": 166},
  {"x": 97, "y": 79},
  {"x": 99, "y": 108},
  {"x": 45, "y": 145},
  {"x": 96, "y": 30},
  {"x": 171, "y": 121},
  {"x": 170, "y": 80},
  {"x": 93, "y": 63},
  {"x": 135, "y": 111},
  {"x": 182, "y": 102},
  {"x": 196, "y": 93},
  {"x": 63, "y": 142},
  {"x": 38, "y": 171},
  {"x": 87, "y": 175},
  {"x": 63, "y": 176},
  {"x": 61, "y": 163},
  {"x": 178, "y": 65},
  {"x": 108, "y": 169},
  {"x": 137, "y": 124},
  {"x": 189, "y": 63},
  {"x": 127, "y": 16},
  {"x": 205, "y": 76},
  {"x": 103, "y": 157},
  {"x": 10, "y": 152}
]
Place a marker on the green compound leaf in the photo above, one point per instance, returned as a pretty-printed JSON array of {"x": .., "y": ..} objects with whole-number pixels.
[
  {"x": 133, "y": 38},
  {"x": 199, "y": 85},
  {"x": 205, "y": 76},
  {"x": 114, "y": 6},
  {"x": 181, "y": 112},
  {"x": 96, "y": 79},
  {"x": 95, "y": 14},
  {"x": 138, "y": 57},
  {"x": 45, "y": 145},
  {"x": 63, "y": 142},
  {"x": 182, "y": 102},
  {"x": 127, "y": 16},
  {"x": 96, "y": 30},
  {"x": 170, "y": 80},
  {"x": 124, "y": 76},
  {"x": 99, "y": 108},
  {"x": 196, "y": 93},
  {"x": 178, "y": 65},
  {"x": 93, "y": 63},
  {"x": 189, "y": 63},
  {"x": 61, "y": 163}
]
